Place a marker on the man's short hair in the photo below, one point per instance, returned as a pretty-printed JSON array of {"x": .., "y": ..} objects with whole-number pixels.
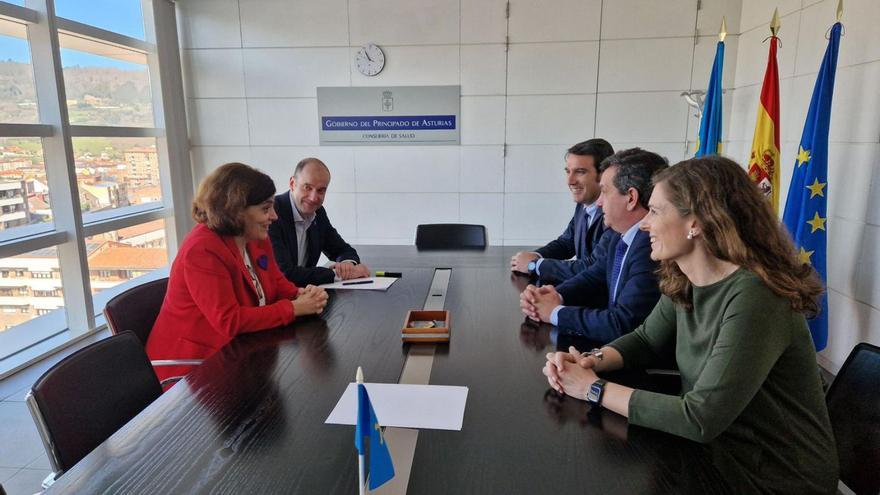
[
  {"x": 635, "y": 168},
  {"x": 598, "y": 148},
  {"x": 305, "y": 161}
]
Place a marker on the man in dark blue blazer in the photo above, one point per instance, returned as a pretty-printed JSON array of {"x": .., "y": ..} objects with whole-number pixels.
[
  {"x": 618, "y": 291},
  {"x": 573, "y": 251},
  {"x": 303, "y": 231}
]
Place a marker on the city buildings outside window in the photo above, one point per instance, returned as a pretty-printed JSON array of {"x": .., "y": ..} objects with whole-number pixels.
[{"x": 84, "y": 211}]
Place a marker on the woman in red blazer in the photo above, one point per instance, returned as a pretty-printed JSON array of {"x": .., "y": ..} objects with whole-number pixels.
[{"x": 224, "y": 280}]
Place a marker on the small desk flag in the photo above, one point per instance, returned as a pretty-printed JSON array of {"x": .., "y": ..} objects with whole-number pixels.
[
  {"x": 805, "y": 209},
  {"x": 764, "y": 158},
  {"x": 709, "y": 142},
  {"x": 381, "y": 469}
]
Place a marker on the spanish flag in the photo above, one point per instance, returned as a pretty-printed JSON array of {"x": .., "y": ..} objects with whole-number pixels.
[{"x": 764, "y": 159}]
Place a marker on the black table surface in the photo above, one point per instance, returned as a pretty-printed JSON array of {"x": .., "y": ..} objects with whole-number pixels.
[{"x": 251, "y": 418}]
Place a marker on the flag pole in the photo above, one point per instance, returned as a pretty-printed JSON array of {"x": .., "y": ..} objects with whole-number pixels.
[
  {"x": 361, "y": 481},
  {"x": 774, "y": 23}
]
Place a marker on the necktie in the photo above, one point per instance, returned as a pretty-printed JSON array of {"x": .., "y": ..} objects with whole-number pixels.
[
  {"x": 619, "y": 251},
  {"x": 580, "y": 248}
]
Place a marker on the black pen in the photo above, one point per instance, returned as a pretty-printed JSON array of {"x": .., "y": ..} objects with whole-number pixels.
[{"x": 359, "y": 282}]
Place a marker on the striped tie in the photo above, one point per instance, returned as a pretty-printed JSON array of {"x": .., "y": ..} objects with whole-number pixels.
[{"x": 619, "y": 251}]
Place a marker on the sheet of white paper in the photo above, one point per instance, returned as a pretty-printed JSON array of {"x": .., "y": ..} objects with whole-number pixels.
[
  {"x": 433, "y": 407},
  {"x": 378, "y": 283}
]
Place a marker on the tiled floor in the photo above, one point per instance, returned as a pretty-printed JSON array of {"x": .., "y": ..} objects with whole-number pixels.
[{"x": 23, "y": 461}]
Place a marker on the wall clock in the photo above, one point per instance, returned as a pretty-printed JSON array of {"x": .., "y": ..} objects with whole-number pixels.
[{"x": 370, "y": 60}]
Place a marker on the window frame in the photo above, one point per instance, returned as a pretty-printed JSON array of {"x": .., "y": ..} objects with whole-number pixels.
[{"x": 70, "y": 227}]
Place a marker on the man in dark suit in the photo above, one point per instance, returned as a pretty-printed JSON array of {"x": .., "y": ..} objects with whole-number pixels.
[
  {"x": 303, "y": 231},
  {"x": 618, "y": 291},
  {"x": 553, "y": 263}
]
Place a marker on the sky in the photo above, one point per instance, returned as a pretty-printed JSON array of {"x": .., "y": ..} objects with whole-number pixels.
[{"x": 120, "y": 16}]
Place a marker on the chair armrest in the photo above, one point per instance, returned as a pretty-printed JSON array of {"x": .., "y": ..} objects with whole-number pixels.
[
  {"x": 176, "y": 362},
  {"x": 657, "y": 371}
]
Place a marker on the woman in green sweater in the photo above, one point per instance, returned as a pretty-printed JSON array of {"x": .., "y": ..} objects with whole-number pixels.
[{"x": 735, "y": 298}]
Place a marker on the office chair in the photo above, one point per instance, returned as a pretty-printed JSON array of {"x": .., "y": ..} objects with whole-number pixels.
[
  {"x": 854, "y": 407},
  {"x": 87, "y": 396},
  {"x": 136, "y": 310},
  {"x": 450, "y": 236}
]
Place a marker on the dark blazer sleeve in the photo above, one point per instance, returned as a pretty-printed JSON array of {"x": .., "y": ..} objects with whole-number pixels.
[
  {"x": 283, "y": 236},
  {"x": 637, "y": 295},
  {"x": 558, "y": 271},
  {"x": 588, "y": 287},
  {"x": 332, "y": 244},
  {"x": 562, "y": 248}
]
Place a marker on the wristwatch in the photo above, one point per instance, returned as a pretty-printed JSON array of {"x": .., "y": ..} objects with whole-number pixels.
[
  {"x": 533, "y": 265},
  {"x": 595, "y": 392},
  {"x": 596, "y": 353}
]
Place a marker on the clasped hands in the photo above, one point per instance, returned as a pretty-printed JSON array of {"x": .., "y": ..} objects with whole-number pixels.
[
  {"x": 310, "y": 300},
  {"x": 347, "y": 271},
  {"x": 538, "y": 302},
  {"x": 570, "y": 373}
]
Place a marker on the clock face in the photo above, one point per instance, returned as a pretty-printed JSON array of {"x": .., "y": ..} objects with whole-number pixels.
[{"x": 370, "y": 60}]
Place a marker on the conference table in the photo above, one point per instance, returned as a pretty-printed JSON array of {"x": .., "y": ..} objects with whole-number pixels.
[{"x": 251, "y": 418}]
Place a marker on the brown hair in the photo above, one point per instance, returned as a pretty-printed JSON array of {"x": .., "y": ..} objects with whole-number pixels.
[
  {"x": 738, "y": 225},
  {"x": 225, "y": 193}
]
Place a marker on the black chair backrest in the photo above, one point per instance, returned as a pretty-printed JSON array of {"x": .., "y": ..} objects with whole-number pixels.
[
  {"x": 450, "y": 236},
  {"x": 854, "y": 407},
  {"x": 136, "y": 309},
  {"x": 92, "y": 393}
]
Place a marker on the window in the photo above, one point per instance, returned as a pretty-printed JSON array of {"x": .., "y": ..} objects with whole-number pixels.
[
  {"x": 121, "y": 16},
  {"x": 24, "y": 290},
  {"x": 85, "y": 180},
  {"x": 116, "y": 172},
  {"x": 107, "y": 91},
  {"x": 121, "y": 255},
  {"x": 18, "y": 98}
]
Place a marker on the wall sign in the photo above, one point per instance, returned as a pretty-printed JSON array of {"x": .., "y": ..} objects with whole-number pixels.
[{"x": 383, "y": 115}]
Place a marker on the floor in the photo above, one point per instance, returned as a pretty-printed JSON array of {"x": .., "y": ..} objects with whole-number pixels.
[{"x": 23, "y": 461}]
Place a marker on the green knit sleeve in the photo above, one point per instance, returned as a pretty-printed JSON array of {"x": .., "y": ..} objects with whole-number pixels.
[
  {"x": 654, "y": 338},
  {"x": 755, "y": 329}
]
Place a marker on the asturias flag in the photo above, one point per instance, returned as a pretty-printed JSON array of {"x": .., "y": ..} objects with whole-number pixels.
[
  {"x": 381, "y": 469},
  {"x": 709, "y": 142},
  {"x": 805, "y": 208},
  {"x": 764, "y": 158}
]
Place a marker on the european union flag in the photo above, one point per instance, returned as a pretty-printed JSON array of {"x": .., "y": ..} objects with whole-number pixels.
[
  {"x": 806, "y": 207},
  {"x": 381, "y": 469},
  {"x": 710, "y": 126}
]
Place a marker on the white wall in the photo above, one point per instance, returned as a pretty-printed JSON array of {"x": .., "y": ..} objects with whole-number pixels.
[
  {"x": 574, "y": 69},
  {"x": 854, "y": 154}
]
